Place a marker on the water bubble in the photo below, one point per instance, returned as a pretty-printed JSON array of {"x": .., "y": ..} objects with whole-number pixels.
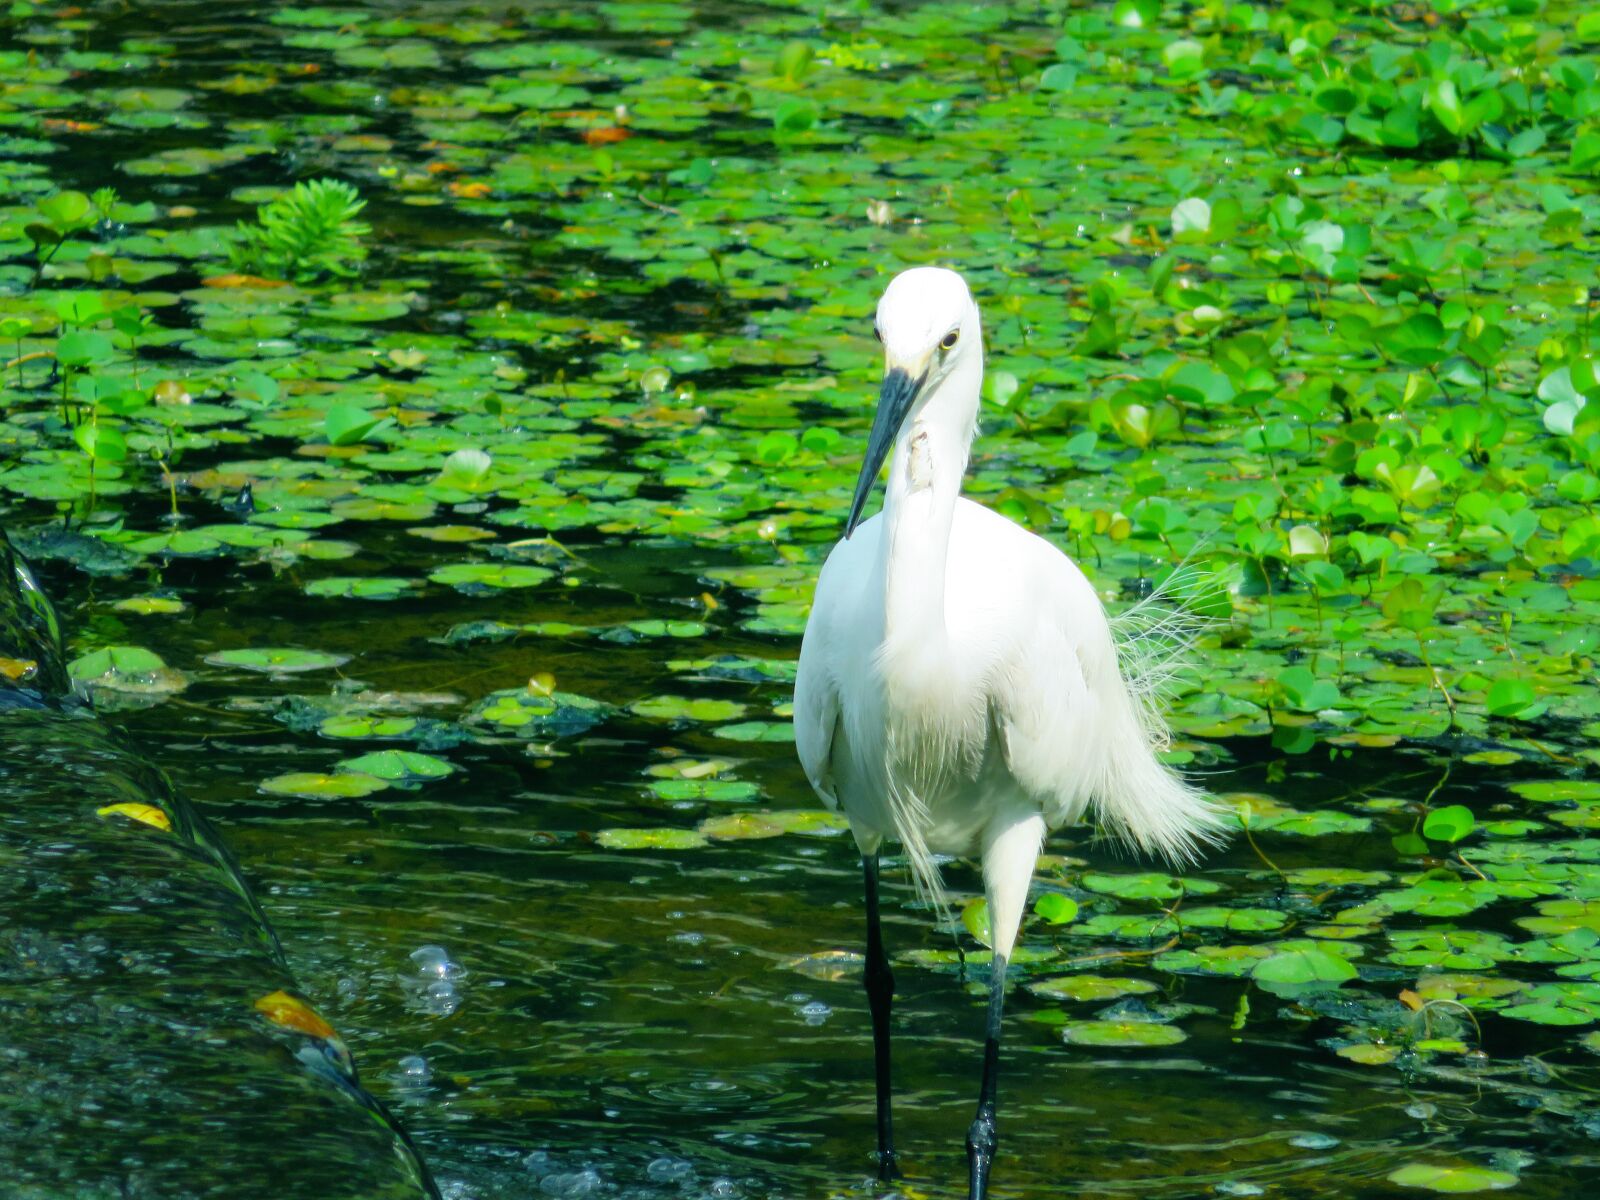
[
  {"x": 414, "y": 1071},
  {"x": 667, "y": 1169},
  {"x": 722, "y": 1186},
  {"x": 689, "y": 938},
  {"x": 435, "y": 961},
  {"x": 816, "y": 1012},
  {"x": 1237, "y": 1187},
  {"x": 432, "y": 988},
  {"x": 574, "y": 1183},
  {"x": 1314, "y": 1141},
  {"x": 441, "y": 998},
  {"x": 1422, "y": 1110}
]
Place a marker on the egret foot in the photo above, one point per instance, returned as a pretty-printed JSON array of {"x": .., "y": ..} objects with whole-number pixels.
[
  {"x": 888, "y": 1166},
  {"x": 981, "y": 1144}
]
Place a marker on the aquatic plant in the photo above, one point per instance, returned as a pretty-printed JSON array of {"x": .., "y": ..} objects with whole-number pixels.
[{"x": 311, "y": 231}]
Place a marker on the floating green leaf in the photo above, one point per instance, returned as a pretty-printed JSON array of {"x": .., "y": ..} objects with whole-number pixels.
[
  {"x": 314, "y": 785},
  {"x": 651, "y": 839},
  {"x": 1121, "y": 1034},
  {"x": 1451, "y": 1179},
  {"x": 277, "y": 660}
]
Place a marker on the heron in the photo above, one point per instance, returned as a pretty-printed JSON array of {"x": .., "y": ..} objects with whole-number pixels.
[{"x": 960, "y": 688}]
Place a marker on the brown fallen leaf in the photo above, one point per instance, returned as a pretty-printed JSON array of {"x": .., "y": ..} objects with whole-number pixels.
[
  {"x": 606, "y": 135},
  {"x": 148, "y": 814},
  {"x": 242, "y": 281},
  {"x": 291, "y": 1012}
]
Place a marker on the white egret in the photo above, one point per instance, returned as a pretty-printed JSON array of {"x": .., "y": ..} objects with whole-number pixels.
[{"x": 959, "y": 688}]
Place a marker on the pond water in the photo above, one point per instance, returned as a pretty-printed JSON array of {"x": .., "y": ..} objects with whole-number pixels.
[{"x": 576, "y": 964}]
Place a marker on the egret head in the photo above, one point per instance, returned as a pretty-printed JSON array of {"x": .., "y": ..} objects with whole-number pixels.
[{"x": 928, "y": 324}]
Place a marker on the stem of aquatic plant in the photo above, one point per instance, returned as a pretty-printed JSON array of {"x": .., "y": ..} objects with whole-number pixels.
[
  {"x": 27, "y": 358},
  {"x": 1463, "y": 859},
  {"x": 1449, "y": 700},
  {"x": 94, "y": 463},
  {"x": 1272, "y": 463},
  {"x": 43, "y": 260},
  {"x": 1244, "y": 827},
  {"x": 168, "y": 478},
  {"x": 1433, "y": 372},
  {"x": 1084, "y": 960},
  {"x": 1505, "y": 638},
  {"x": 1427, "y": 801}
]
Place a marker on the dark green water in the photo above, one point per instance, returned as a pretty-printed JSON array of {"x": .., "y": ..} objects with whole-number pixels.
[{"x": 552, "y": 1017}]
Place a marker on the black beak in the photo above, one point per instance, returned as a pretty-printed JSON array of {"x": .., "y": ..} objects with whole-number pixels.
[{"x": 894, "y": 404}]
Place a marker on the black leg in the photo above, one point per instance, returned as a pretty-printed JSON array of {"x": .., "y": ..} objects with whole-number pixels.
[
  {"x": 880, "y": 998},
  {"x": 981, "y": 1138}
]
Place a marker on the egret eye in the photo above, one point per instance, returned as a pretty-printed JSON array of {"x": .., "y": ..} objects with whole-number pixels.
[{"x": 948, "y": 342}]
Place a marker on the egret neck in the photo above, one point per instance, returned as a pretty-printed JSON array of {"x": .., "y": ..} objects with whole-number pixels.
[{"x": 930, "y": 458}]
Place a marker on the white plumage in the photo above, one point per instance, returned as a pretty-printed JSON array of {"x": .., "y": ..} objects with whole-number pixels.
[{"x": 959, "y": 688}]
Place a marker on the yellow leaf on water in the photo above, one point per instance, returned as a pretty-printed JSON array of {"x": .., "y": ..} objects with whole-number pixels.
[
  {"x": 1369, "y": 1054},
  {"x": 17, "y": 668},
  {"x": 291, "y": 1012},
  {"x": 242, "y": 281},
  {"x": 148, "y": 813}
]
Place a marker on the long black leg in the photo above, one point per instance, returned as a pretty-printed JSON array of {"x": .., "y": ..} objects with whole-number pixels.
[
  {"x": 880, "y": 998},
  {"x": 981, "y": 1137}
]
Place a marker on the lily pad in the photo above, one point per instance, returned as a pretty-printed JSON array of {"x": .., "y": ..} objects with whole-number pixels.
[
  {"x": 478, "y": 578},
  {"x": 315, "y": 785},
  {"x": 757, "y": 731},
  {"x": 534, "y": 713},
  {"x": 1087, "y": 988},
  {"x": 1121, "y": 1034},
  {"x": 398, "y": 766},
  {"x": 745, "y": 826},
  {"x": 1292, "y": 972},
  {"x": 1454, "y": 1180},
  {"x": 687, "y": 709},
  {"x": 277, "y": 660},
  {"x": 714, "y": 790},
  {"x": 366, "y": 587},
  {"x": 651, "y": 839},
  {"x": 125, "y": 677}
]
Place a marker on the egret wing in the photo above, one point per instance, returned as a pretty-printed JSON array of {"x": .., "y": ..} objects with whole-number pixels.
[
  {"x": 1046, "y": 696},
  {"x": 1075, "y": 733},
  {"x": 816, "y": 717}
]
